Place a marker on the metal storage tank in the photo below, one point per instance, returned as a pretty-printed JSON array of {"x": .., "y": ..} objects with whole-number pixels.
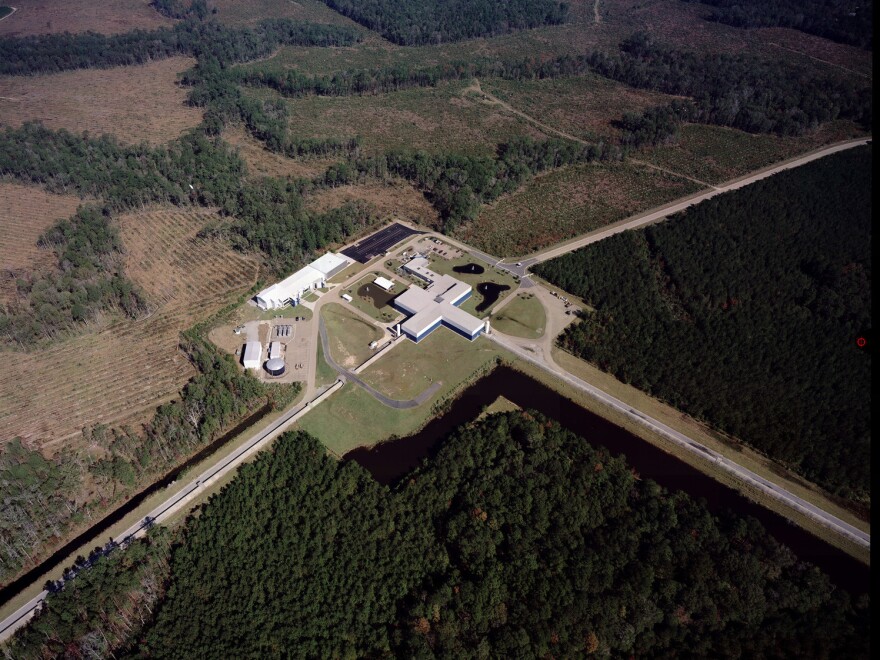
[{"x": 275, "y": 366}]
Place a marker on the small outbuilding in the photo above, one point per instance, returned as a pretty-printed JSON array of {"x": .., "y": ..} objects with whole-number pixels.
[
  {"x": 384, "y": 283},
  {"x": 275, "y": 366},
  {"x": 251, "y": 357}
]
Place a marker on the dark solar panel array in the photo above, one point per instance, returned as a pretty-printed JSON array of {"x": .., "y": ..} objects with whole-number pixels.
[{"x": 378, "y": 243}]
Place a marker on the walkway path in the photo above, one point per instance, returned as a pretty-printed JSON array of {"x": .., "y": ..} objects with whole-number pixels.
[{"x": 345, "y": 374}]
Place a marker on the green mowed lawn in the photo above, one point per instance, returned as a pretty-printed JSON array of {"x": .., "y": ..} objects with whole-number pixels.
[
  {"x": 353, "y": 418},
  {"x": 567, "y": 202},
  {"x": 349, "y": 335},
  {"x": 490, "y": 275},
  {"x": 324, "y": 373},
  {"x": 522, "y": 317},
  {"x": 409, "y": 369}
]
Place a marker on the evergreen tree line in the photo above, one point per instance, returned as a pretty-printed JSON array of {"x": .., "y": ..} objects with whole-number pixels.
[
  {"x": 265, "y": 215},
  {"x": 741, "y": 91},
  {"x": 844, "y": 21},
  {"x": 97, "y": 614},
  {"x": 51, "y": 53},
  {"x": 745, "y": 92},
  {"x": 44, "y": 495},
  {"x": 418, "y": 22},
  {"x": 518, "y": 540},
  {"x": 744, "y": 311},
  {"x": 458, "y": 185}
]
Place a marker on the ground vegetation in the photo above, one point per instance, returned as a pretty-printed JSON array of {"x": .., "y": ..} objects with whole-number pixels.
[
  {"x": 744, "y": 311},
  {"x": 518, "y": 539}
]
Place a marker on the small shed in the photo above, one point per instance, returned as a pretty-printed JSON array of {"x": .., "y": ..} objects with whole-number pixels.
[
  {"x": 346, "y": 297},
  {"x": 274, "y": 350},
  {"x": 275, "y": 366},
  {"x": 251, "y": 357},
  {"x": 384, "y": 282}
]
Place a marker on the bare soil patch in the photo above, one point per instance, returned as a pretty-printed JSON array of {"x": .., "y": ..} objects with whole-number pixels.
[
  {"x": 395, "y": 198},
  {"x": 118, "y": 373},
  {"x": 25, "y": 213},
  {"x": 134, "y": 103},
  {"x": 106, "y": 17}
]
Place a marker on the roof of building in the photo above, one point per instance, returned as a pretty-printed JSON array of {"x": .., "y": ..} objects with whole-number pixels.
[
  {"x": 436, "y": 303},
  {"x": 275, "y": 364},
  {"x": 275, "y": 350},
  {"x": 384, "y": 282},
  {"x": 252, "y": 351},
  {"x": 421, "y": 267},
  {"x": 329, "y": 262},
  {"x": 293, "y": 285}
]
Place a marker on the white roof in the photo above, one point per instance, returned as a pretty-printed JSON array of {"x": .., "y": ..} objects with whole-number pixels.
[
  {"x": 437, "y": 303},
  {"x": 253, "y": 350},
  {"x": 290, "y": 287},
  {"x": 275, "y": 350},
  {"x": 329, "y": 262},
  {"x": 421, "y": 266},
  {"x": 384, "y": 282}
]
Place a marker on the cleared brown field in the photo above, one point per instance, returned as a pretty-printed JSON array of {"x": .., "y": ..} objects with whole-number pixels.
[
  {"x": 134, "y": 103},
  {"x": 106, "y": 17},
  {"x": 446, "y": 118},
  {"x": 261, "y": 162},
  {"x": 119, "y": 373},
  {"x": 238, "y": 12},
  {"x": 396, "y": 198},
  {"x": 583, "y": 106},
  {"x": 25, "y": 213},
  {"x": 567, "y": 202}
]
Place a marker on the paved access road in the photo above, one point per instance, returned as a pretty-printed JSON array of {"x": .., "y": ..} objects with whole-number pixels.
[
  {"x": 540, "y": 357},
  {"x": 661, "y": 213},
  {"x": 171, "y": 505}
]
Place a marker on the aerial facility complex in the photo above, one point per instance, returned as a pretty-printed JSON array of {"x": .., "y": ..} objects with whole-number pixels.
[
  {"x": 436, "y": 305},
  {"x": 291, "y": 289}
]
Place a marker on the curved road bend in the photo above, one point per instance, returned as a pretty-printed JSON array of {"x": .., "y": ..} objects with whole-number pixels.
[
  {"x": 257, "y": 442},
  {"x": 349, "y": 375},
  {"x": 541, "y": 359}
]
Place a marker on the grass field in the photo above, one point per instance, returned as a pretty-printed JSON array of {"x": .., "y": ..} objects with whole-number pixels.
[
  {"x": 410, "y": 368},
  {"x": 446, "y": 266},
  {"x": 261, "y": 162},
  {"x": 582, "y": 106},
  {"x": 353, "y": 418},
  {"x": 446, "y": 118},
  {"x": 106, "y": 17},
  {"x": 121, "y": 370},
  {"x": 134, "y": 103},
  {"x": 25, "y": 213},
  {"x": 523, "y": 316},
  {"x": 349, "y": 335},
  {"x": 392, "y": 198},
  {"x": 567, "y": 202}
]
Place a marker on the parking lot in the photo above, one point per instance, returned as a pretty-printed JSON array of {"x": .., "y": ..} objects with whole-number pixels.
[{"x": 379, "y": 243}]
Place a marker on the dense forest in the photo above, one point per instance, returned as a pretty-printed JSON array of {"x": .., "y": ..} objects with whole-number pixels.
[
  {"x": 845, "y": 21},
  {"x": 42, "y": 497},
  {"x": 104, "y": 608},
  {"x": 518, "y": 540},
  {"x": 51, "y": 53},
  {"x": 417, "y": 22},
  {"x": 744, "y": 311}
]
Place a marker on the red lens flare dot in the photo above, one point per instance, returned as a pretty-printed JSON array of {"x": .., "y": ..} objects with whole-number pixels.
[{"x": 861, "y": 341}]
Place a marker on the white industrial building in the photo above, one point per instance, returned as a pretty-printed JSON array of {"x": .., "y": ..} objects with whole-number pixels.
[
  {"x": 313, "y": 276},
  {"x": 436, "y": 305},
  {"x": 384, "y": 283},
  {"x": 252, "y": 356}
]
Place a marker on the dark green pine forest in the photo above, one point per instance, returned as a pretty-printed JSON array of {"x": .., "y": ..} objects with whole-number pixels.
[
  {"x": 518, "y": 540},
  {"x": 744, "y": 311}
]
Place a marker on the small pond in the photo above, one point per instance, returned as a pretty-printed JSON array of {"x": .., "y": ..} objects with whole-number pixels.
[
  {"x": 490, "y": 292},
  {"x": 376, "y": 294},
  {"x": 472, "y": 268},
  {"x": 390, "y": 461}
]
